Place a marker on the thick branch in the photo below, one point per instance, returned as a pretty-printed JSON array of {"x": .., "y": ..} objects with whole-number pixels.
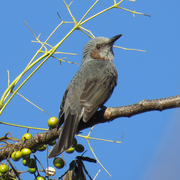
[
  {"x": 111, "y": 113},
  {"x": 102, "y": 116}
]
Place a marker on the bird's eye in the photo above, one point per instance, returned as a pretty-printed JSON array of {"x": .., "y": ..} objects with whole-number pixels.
[{"x": 98, "y": 46}]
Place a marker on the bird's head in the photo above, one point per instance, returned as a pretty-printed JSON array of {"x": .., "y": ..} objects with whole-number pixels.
[{"x": 99, "y": 48}]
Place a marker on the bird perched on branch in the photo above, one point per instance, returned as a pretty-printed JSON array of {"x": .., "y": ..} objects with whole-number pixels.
[{"x": 89, "y": 89}]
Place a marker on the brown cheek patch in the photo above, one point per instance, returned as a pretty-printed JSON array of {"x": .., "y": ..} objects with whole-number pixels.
[{"x": 95, "y": 55}]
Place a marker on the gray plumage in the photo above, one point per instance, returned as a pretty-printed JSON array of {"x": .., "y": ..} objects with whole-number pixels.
[{"x": 89, "y": 89}]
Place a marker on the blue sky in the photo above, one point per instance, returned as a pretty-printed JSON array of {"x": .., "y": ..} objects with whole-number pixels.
[{"x": 150, "y": 147}]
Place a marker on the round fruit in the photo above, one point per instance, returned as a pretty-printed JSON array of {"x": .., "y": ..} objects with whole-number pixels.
[
  {"x": 32, "y": 170},
  {"x": 26, "y": 136},
  {"x": 12, "y": 156},
  {"x": 25, "y": 152},
  {"x": 42, "y": 148},
  {"x": 58, "y": 162},
  {"x": 50, "y": 171},
  {"x": 79, "y": 148},
  {"x": 52, "y": 122},
  {"x": 16, "y": 155},
  {"x": 40, "y": 178},
  {"x": 3, "y": 168},
  {"x": 32, "y": 163},
  {"x": 70, "y": 150},
  {"x": 26, "y": 161}
]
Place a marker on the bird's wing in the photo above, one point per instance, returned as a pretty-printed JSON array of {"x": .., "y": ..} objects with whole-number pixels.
[
  {"x": 96, "y": 92},
  {"x": 87, "y": 91},
  {"x": 61, "y": 112},
  {"x": 69, "y": 114}
]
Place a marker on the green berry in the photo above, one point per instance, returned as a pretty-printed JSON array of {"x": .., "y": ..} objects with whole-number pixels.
[
  {"x": 40, "y": 178},
  {"x": 32, "y": 170},
  {"x": 32, "y": 163},
  {"x": 52, "y": 122},
  {"x": 79, "y": 148},
  {"x": 58, "y": 162},
  {"x": 16, "y": 155},
  {"x": 25, "y": 152},
  {"x": 70, "y": 150},
  {"x": 26, "y": 161},
  {"x": 26, "y": 136},
  {"x": 3, "y": 168}
]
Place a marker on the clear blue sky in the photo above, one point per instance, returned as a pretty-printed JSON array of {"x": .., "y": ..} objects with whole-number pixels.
[{"x": 150, "y": 148}]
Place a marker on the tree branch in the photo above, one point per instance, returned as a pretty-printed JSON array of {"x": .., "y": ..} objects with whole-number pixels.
[
  {"x": 102, "y": 116},
  {"x": 110, "y": 113}
]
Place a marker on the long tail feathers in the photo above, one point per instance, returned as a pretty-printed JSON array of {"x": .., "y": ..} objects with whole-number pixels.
[{"x": 66, "y": 137}]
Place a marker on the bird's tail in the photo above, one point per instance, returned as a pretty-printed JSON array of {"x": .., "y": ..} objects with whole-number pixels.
[{"x": 66, "y": 136}]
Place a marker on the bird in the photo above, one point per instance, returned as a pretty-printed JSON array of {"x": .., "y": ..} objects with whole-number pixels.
[{"x": 88, "y": 90}]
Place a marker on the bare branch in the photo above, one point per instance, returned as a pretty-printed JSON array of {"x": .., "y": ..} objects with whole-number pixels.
[
  {"x": 110, "y": 113},
  {"x": 102, "y": 116}
]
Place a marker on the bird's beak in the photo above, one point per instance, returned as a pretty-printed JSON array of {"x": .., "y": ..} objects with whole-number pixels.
[{"x": 113, "y": 39}]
